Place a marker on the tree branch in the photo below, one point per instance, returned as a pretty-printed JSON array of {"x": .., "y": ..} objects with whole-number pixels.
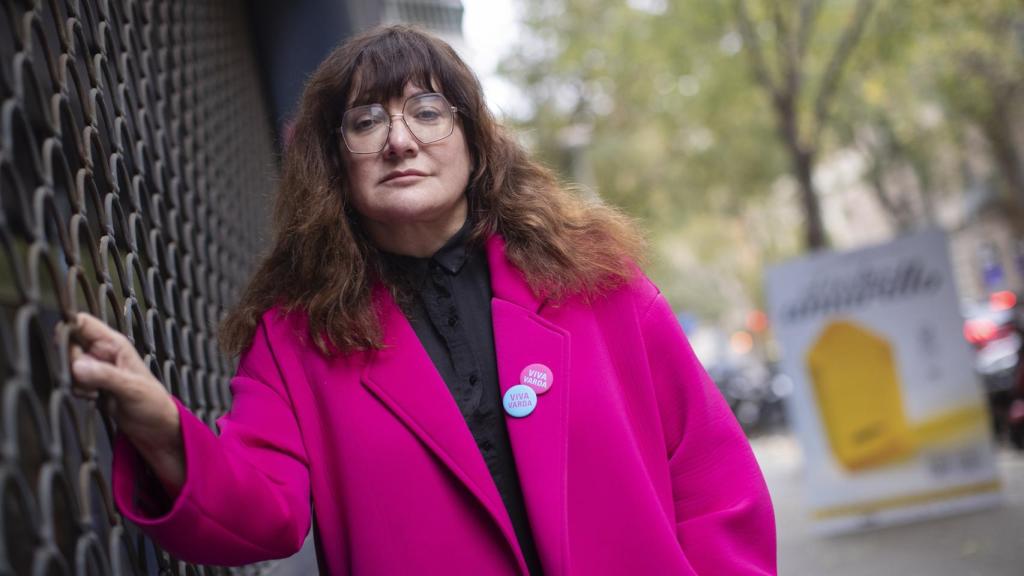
[
  {"x": 830, "y": 81},
  {"x": 878, "y": 166},
  {"x": 750, "y": 41},
  {"x": 805, "y": 25},
  {"x": 788, "y": 55}
]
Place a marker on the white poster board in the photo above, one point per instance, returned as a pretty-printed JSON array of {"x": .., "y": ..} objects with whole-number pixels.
[{"x": 889, "y": 412}]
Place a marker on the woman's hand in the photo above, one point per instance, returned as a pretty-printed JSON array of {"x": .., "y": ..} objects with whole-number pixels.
[{"x": 103, "y": 360}]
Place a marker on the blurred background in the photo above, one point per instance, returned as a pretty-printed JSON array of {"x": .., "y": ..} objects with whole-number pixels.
[
  {"x": 745, "y": 133},
  {"x": 740, "y": 134}
]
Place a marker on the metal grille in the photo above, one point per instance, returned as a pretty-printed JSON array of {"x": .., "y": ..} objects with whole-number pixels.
[{"x": 135, "y": 160}]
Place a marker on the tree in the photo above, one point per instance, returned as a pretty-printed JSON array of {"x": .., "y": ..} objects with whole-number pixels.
[
  {"x": 789, "y": 87},
  {"x": 977, "y": 58},
  {"x": 699, "y": 117},
  {"x": 659, "y": 102},
  {"x": 891, "y": 115},
  {"x": 938, "y": 71}
]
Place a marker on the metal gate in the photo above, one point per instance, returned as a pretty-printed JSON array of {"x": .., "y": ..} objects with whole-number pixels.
[{"x": 135, "y": 164}]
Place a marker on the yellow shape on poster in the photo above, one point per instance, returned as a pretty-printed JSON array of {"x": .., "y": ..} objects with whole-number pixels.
[
  {"x": 857, "y": 386},
  {"x": 856, "y": 382}
]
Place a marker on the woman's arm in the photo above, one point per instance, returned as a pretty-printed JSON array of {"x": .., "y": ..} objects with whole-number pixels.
[
  {"x": 238, "y": 498},
  {"x": 724, "y": 517}
]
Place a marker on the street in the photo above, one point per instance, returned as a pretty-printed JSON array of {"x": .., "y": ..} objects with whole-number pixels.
[{"x": 983, "y": 543}]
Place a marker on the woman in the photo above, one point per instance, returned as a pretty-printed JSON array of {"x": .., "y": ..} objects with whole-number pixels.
[{"x": 452, "y": 357}]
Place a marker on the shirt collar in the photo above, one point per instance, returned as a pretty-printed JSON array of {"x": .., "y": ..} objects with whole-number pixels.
[{"x": 451, "y": 257}]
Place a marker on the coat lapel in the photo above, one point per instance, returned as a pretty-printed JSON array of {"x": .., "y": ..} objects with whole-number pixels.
[
  {"x": 403, "y": 377},
  {"x": 539, "y": 440}
]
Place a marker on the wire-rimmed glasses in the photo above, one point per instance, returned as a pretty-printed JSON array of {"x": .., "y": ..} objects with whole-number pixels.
[{"x": 429, "y": 118}]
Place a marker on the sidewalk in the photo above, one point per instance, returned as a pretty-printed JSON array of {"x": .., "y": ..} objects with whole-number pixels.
[{"x": 986, "y": 543}]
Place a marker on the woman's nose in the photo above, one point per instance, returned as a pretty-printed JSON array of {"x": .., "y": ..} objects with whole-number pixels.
[{"x": 400, "y": 142}]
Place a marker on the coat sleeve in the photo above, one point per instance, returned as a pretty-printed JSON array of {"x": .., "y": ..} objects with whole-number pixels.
[
  {"x": 246, "y": 492},
  {"x": 724, "y": 518}
]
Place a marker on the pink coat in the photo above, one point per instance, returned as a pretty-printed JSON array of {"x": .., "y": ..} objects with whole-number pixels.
[{"x": 630, "y": 464}]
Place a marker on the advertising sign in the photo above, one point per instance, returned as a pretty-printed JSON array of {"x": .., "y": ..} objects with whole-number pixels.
[{"x": 889, "y": 412}]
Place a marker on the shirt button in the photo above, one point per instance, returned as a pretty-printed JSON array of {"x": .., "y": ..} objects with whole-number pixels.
[
  {"x": 452, "y": 320},
  {"x": 473, "y": 379}
]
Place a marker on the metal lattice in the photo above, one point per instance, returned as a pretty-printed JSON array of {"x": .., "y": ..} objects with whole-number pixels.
[{"x": 134, "y": 166}]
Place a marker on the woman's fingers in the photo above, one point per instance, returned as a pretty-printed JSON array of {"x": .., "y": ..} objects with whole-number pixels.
[
  {"x": 86, "y": 393},
  {"x": 105, "y": 343},
  {"x": 89, "y": 329},
  {"x": 97, "y": 337},
  {"x": 92, "y": 373},
  {"x": 102, "y": 358}
]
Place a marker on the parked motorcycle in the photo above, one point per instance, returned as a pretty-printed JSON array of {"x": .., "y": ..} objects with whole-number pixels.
[
  {"x": 994, "y": 329},
  {"x": 756, "y": 394}
]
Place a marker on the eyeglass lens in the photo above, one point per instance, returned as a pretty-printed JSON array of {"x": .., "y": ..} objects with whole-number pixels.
[{"x": 429, "y": 118}]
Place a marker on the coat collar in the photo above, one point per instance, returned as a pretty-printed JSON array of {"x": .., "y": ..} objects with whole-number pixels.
[
  {"x": 507, "y": 281},
  {"x": 403, "y": 377}
]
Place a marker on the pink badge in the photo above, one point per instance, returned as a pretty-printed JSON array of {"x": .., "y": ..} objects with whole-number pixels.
[{"x": 538, "y": 377}]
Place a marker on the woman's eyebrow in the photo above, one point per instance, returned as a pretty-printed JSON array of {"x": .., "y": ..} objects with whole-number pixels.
[
  {"x": 364, "y": 99},
  {"x": 361, "y": 101}
]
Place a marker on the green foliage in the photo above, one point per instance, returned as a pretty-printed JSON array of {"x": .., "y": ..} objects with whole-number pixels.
[
  {"x": 672, "y": 127},
  {"x": 660, "y": 113}
]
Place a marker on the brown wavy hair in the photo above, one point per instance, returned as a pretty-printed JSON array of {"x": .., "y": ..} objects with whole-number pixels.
[{"x": 322, "y": 264}]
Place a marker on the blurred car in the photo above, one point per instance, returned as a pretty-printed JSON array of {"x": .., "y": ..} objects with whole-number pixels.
[
  {"x": 756, "y": 393},
  {"x": 992, "y": 327}
]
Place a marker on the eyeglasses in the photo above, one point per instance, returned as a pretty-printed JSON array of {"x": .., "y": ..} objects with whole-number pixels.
[{"x": 429, "y": 118}]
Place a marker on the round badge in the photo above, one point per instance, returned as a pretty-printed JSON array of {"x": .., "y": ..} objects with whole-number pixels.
[
  {"x": 519, "y": 401},
  {"x": 538, "y": 377}
]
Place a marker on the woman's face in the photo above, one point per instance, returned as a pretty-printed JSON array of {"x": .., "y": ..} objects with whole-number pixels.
[{"x": 408, "y": 182}]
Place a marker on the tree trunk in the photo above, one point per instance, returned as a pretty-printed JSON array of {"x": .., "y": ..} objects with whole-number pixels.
[
  {"x": 802, "y": 160},
  {"x": 924, "y": 186},
  {"x": 897, "y": 211},
  {"x": 998, "y": 129},
  {"x": 814, "y": 228}
]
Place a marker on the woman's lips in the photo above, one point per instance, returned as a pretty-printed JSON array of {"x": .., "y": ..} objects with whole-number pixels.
[
  {"x": 403, "y": 177},
  {"x": 407, "y": 179}
]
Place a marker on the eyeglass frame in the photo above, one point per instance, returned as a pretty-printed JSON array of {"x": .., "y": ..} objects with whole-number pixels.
[{"x": 391, "y": 117}]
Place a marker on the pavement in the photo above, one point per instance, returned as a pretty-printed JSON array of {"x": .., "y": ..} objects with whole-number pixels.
[{"x": 982, "y": 543}]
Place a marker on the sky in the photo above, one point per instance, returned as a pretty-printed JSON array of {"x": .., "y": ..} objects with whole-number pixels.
[{"x": 490, "y": 27}]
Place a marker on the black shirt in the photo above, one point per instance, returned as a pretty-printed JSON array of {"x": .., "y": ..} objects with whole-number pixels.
[{"x": 447, "y": 300}]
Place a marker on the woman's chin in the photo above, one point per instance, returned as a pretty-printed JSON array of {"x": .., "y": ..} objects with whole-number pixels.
[
  {"x": 416, "y": 215},
  {"x": 416, "y": 210}
]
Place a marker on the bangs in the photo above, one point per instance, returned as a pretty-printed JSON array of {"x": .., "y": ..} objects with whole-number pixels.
[{"x": 383, "y": 68}]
